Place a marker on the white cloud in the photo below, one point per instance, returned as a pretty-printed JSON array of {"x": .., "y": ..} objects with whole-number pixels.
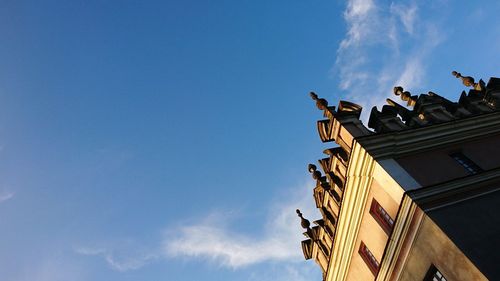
[
  {"x": 215, "y": 240},
  {"x": 120, "y": 263},
  {"x": 6, "y": 195},
  {"x": 407, "y": 14},
  {"x": 359, "y": 15},
  {"x": 386, "y": 44},
  {"x": 130, "y": 263},
  {"x": 412, "y": 73}
]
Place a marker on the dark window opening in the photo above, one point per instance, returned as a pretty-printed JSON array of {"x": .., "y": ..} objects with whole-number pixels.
[
  {"x": 369, "y": 258},
  {"x": 434, "y": 275},
  {"x": 381, "y": 216},
  {"x": 471, "y": 167}
]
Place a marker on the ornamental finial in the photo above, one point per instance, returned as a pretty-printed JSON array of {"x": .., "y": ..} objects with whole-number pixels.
[
  {"x": 405, "y": 96},
  {"x": 322, "y": 104},
  {"x": 468, "y": 81},
  {"x": 303, "y": 222},
  {"x": 313, "y": 170}
]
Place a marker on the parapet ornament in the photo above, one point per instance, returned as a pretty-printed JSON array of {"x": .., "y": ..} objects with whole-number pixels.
[
  {"x": 322, "y": 104},
  {"x": 405, "y": 96},
  {"x": 468, "y": 81},
  {"x": 305, "y": 224}
]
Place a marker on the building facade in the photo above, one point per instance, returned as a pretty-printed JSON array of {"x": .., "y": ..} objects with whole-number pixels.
[{"x": 415, "y": 198}]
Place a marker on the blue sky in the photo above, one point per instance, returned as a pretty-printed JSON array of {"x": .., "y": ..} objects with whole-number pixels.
[{"x": 168, "y": 140}]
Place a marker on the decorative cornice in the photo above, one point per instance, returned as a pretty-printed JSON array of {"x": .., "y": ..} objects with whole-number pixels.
[
  {"x": 431, "y": 109},
  {"x": 395, "y": 144},
  {"x": 444, "y": 194}
]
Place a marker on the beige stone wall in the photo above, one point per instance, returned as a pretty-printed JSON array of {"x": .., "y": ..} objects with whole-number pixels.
[
  {"x": 432, "y": 246},
  {"x": 388, "y": 193}
]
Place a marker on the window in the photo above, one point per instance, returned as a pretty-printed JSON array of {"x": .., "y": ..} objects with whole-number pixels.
[
  {"x": 471, "y": 167},
  {"x": 381, "y": 216},
  {"x": 434, "y": 275},
  {"x": 369, "y": 258}
]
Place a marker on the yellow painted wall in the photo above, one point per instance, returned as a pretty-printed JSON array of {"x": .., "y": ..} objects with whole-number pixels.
[{"x": 388, "y": 193}]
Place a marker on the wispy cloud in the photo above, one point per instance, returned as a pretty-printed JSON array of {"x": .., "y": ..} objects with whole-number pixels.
[
  {"x": 6, "y": 195},
  {"x": 215, "y": 240},
  {"x": 116, "y": 262},
  {"x": 386, "y": 44},
  {"x": 407, "y": 14}
]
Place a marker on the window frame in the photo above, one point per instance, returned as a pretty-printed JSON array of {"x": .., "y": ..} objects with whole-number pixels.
[
  {"x": 381, "y": 216},
  {"x": 433, "y": 274},
  {"x": 470, "y": 166},
  {"x": 368, "y": 257}
]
